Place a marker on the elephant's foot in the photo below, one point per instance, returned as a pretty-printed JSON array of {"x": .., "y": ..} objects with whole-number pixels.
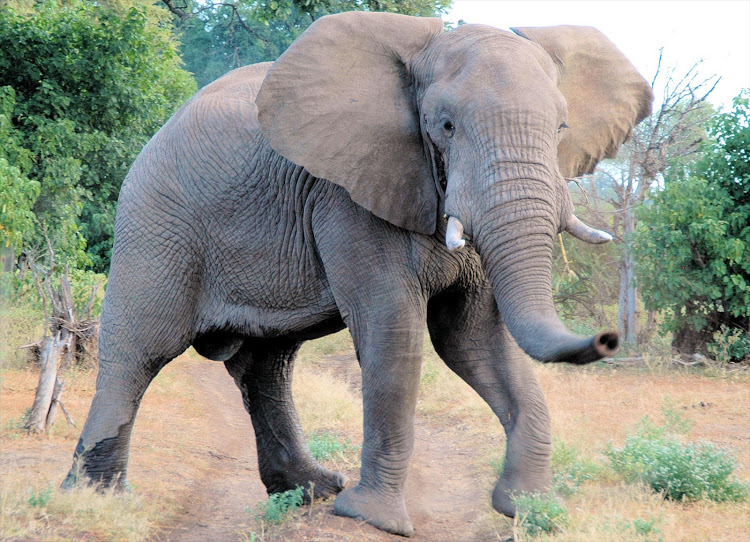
[
  {"x": 386, "y": 513},
  {"x": 317, "y": 481},
  {"x": 502, "y": 501},
  {"x": 76, "y": 479}
]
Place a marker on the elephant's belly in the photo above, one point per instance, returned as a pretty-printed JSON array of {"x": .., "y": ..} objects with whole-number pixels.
[{"x": 245, "y": 297}]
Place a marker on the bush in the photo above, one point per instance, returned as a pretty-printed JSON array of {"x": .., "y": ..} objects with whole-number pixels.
[
  {"x": 730, "y": 345},
  {"x": 540, "y": 513},
  {"x": 569, "y": 471},
  {"x": 692, "y": 471}
]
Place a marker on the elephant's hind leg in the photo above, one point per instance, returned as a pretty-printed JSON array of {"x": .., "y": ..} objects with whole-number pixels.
[
  {"x": 128, "y": 362},
  {"x": 262, "y": 369},
  {"x": 147, "y": 320}
]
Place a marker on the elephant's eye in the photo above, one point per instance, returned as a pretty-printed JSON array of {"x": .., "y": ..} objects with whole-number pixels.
[
  {"x": 448, "y": 128},
  {"x": 562, "y": 127}
]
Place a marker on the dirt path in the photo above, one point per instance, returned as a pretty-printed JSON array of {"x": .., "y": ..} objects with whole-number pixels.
[
  {"x": 445, "y": 493},
  {"x": 216, "y": 502}
]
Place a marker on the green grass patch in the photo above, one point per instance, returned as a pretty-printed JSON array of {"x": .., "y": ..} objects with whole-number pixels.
[
  {"x": 337, "y": 343},
  {"x": 329, "y": 446}
]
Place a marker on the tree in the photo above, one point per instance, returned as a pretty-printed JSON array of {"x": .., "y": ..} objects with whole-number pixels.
[
  {"x": 84, "y": 86},
  {"x": 692, "y": 244},
  {"x": 223, "y": 35}
]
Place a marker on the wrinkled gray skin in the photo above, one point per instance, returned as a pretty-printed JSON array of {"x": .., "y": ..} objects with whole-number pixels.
[{"x": 229, "y": 237}]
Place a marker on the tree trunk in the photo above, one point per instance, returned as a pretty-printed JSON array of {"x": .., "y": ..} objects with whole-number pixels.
[{"x": 627, "y": 310}]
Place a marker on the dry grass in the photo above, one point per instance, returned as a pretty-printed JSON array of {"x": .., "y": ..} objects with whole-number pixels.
[
  {"x": 38, "y": 513},
  {"x": 324, "y": 403}
]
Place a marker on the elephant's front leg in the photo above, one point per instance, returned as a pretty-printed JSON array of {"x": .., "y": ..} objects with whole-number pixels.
[
  {"x": 389, "y": 346},
  {"x": 262, "y": 369},
  {"x": 469, "y": 335}
]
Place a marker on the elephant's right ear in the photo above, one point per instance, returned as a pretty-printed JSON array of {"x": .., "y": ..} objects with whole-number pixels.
[
  {"x": 606, "y": 95},
  {"x": 340, "y": 102}
]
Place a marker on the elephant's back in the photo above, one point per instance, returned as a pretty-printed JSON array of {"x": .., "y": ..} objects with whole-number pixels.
[{"x": 241, "y": 85}]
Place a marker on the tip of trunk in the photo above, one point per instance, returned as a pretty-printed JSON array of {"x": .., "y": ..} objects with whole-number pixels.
[
  {"x": 553, "y": 343},
  {"x": 602, "y": 345}
]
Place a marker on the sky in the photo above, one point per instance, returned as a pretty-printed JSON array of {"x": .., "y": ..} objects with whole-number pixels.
[{"x": 716, "y": 32}]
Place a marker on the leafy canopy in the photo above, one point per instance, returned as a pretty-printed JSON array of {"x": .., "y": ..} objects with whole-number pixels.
[
  {"x": 220, "y": 36},
  {"x": 82, "y": 88}
]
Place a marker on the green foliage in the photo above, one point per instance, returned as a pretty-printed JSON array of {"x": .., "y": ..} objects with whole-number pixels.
[
  {"x": 83, "y": 87},
  {"x": 279, "y": 506},
  {"x": 680, "y": 471},
  {"x": 569, "y": 470},
  {"x": 326, "y": 445},
  {"x": 18, "y": 193},
  {"x": 219, "y": 37},
  {"x": 692, "y": 244},
  {"x": 540, "y": 513}
]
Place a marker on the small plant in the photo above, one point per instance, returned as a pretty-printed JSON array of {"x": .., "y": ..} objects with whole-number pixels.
[
  {"x": 540, "y": 513},
  {"x": 326, "y": 445},
  {"x": 19, "y": 425},
  {"x": 279, "y": 506},
  {"x": 691, "y": 471},
  {"x": 569, "y": 471},
  {"x": 41, "y": 498}
]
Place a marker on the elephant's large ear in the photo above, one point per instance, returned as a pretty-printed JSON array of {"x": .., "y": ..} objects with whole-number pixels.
[
  {"x": 340, "y": 102},
  {"x": 606, "y": 96}
]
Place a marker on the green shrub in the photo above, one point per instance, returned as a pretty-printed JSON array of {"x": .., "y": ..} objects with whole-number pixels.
[
  {"x": 327, "y": 445},
  {"x": 279, "y": 506},
  {"x": 540, "y": 513},
  {"x": 569, "y": 470},
  {"x": 730, "y": 345},
  {"x": 680, "y": 471}
]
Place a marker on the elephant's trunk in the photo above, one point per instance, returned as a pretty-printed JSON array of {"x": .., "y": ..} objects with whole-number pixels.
[{"x": 516, "y": 239}]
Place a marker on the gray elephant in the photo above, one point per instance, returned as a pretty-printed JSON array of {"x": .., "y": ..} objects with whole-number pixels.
[{"x": 381, "y": 175}]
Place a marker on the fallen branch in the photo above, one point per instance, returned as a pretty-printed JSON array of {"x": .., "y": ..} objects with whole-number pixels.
[{"x": 614, "y": 361}]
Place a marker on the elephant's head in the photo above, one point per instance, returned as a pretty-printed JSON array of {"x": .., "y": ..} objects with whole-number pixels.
[{"x": 479, "y": 125}]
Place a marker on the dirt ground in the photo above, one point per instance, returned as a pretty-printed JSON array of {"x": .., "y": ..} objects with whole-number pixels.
[
  {"x": 194, "y": 469},
  {"x": 443, "y": 506}
]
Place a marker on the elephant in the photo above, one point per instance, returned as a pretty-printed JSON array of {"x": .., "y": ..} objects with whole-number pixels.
[{"x": 383, "y": 175}]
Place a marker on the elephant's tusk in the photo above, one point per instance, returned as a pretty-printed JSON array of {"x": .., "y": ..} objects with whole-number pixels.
[
  {"x": 578, "y": 229},
  {"x": 454, "y": 235}
]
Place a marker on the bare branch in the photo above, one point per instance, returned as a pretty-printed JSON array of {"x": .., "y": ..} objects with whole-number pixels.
[{"x": 179, "y": 11}]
